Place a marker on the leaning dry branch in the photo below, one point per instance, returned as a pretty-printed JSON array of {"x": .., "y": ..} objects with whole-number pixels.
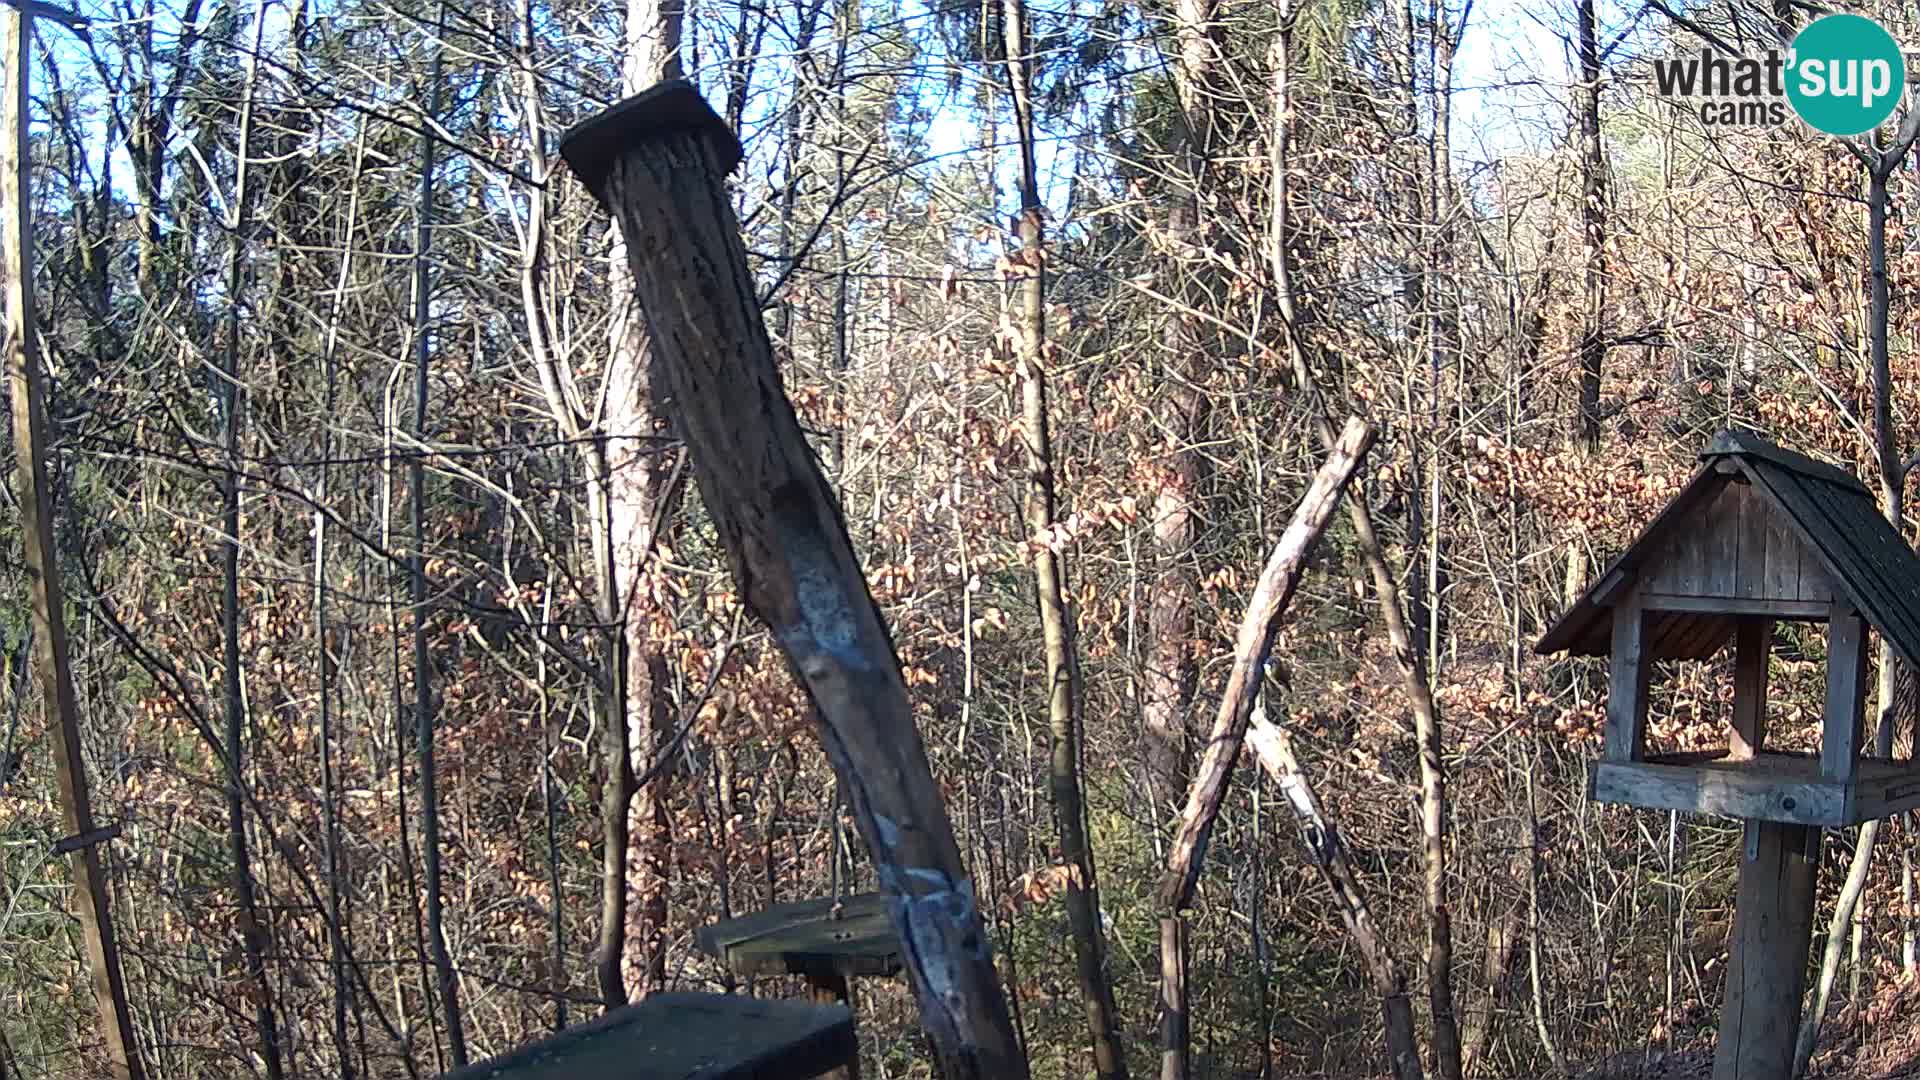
[
  {"x": 658, "y": 161},
  {"x": 1257, "y": 629},
  {"x": 1274, "y": 750}
]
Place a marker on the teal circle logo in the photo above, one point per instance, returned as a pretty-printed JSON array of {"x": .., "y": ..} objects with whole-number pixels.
[{"x": 1845, "y": 74}]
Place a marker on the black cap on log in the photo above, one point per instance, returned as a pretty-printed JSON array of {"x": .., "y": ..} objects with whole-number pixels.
[{"x": 671, "y": 108}]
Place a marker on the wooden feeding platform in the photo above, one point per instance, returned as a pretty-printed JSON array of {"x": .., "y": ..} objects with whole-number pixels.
[
  {"x": 1767, "y": 786},
  {"x": 1759, "y": 536},
  {"x": 684, "y": 1037},
  {"x": 827, "y": 941}
]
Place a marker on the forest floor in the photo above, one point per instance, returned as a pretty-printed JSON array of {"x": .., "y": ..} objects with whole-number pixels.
[{"x": 1875, "y": 1042}]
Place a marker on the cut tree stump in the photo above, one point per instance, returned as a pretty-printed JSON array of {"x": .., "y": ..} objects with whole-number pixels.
[{"x": 683, "y": 1037}]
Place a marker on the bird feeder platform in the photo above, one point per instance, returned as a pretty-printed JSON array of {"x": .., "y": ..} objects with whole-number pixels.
[
  {"x": 822, "y": 940},
  {"x": 679, "y": 1036}
]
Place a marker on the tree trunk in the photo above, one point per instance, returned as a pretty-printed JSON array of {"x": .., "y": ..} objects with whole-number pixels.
[
  {"x": 1172, "y": 669},
  {"x": 253, "y": 936},
  {"x": 1892, "y": 472},
  {"x": 1063, "y": 706},
  {"x": 1593, "y": 228},
  {"x": 634, "y": 498},
  {"x": 423, "y": 704},
  {"x": 1255, "y": 641},
  {"x": 1258, "y": 626},
  {"x": 657, "y": 162},
  {"x": 34, "y": 490},
  {"x": 1413, "y": 676}
]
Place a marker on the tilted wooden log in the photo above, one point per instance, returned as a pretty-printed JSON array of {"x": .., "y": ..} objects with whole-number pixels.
[
  {"x": 1257, "y": 628},
  {"x": 657, "y": 162}
]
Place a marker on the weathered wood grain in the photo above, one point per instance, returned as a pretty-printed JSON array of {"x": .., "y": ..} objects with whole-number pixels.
[
  {"x": 1702, "y": 788},
  {"x": 1627, "y": 677},
  {"x": 1753, "y": 640},
  {"x": 809, "y": 938},
  {"x": 1846, "y": 693}
]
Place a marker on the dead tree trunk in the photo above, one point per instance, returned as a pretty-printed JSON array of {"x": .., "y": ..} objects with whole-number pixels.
[
  {"x": 1257, "y": 629},
  {"x": 657, "y": 161},
  {"x": 1413, "y": 674},
  {"x": 253, "y": 937},
  {"x": 34, "y": 488}
]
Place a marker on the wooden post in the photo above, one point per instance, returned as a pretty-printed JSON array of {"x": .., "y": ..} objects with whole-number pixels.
[
  {"x": 1846, "y": 693},
  {"x": 1767, "y": 956},
  {"x": 1627, "y": 675},
  {"x": 658, "y": 163},
  {"x": 833, "y": 989},
  {"x": 1753, "y": 638},
  {"x": 50, "y": 656}
]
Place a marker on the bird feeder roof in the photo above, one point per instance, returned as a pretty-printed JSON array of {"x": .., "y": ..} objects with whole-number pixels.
[{"x": 1826, "y": 509}]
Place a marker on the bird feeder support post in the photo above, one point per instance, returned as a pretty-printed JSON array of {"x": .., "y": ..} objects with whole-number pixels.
[
  {"x": 1767, "y": 956},
  {"x": 1846, "y": 693},
  {"x": 1630, "y": 666}
]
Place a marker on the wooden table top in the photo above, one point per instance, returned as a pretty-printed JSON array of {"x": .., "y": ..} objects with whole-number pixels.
[
  {"x": 809, "y": 938},
  {"x": 686, "y": 1037}
]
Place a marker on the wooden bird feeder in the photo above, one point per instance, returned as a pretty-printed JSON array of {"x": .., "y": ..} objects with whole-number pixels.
[
  {"x": 1759, "y": 535},
  {"x": 825, "y": 941},
  {"x": 677, "y": 1036},
  {"x": 828, "y": 942}
]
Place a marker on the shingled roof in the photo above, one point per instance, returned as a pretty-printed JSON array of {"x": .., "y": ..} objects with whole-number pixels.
[{"x": 1830, "y": 511}]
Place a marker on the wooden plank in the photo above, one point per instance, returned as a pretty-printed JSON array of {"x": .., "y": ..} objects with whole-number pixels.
[
  {"x": 1816, "y": 584},
  {"x": 1750, "y": 532},
  {"x": 1846, "y": 693},
  {"x": 716, "y": 938},
  {"x": 1781, "y": 578},
  {"x": 1736, "y": 605},
  {"x": 1719, "y": 540},
  {"x": 1741, "y": 793},
  {"x": 1617, "y": 579},
  {"x": 1577, "y": 626},
  {"x": 1677, "y": 567},
  {"x": 1628, "y": 671},
  {"x": 1767, "y": 957},
  {"x": 675, "y": 1036},
  {"x": 1753, "y": 640},
  {"x": 1886, "y": 788}
]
